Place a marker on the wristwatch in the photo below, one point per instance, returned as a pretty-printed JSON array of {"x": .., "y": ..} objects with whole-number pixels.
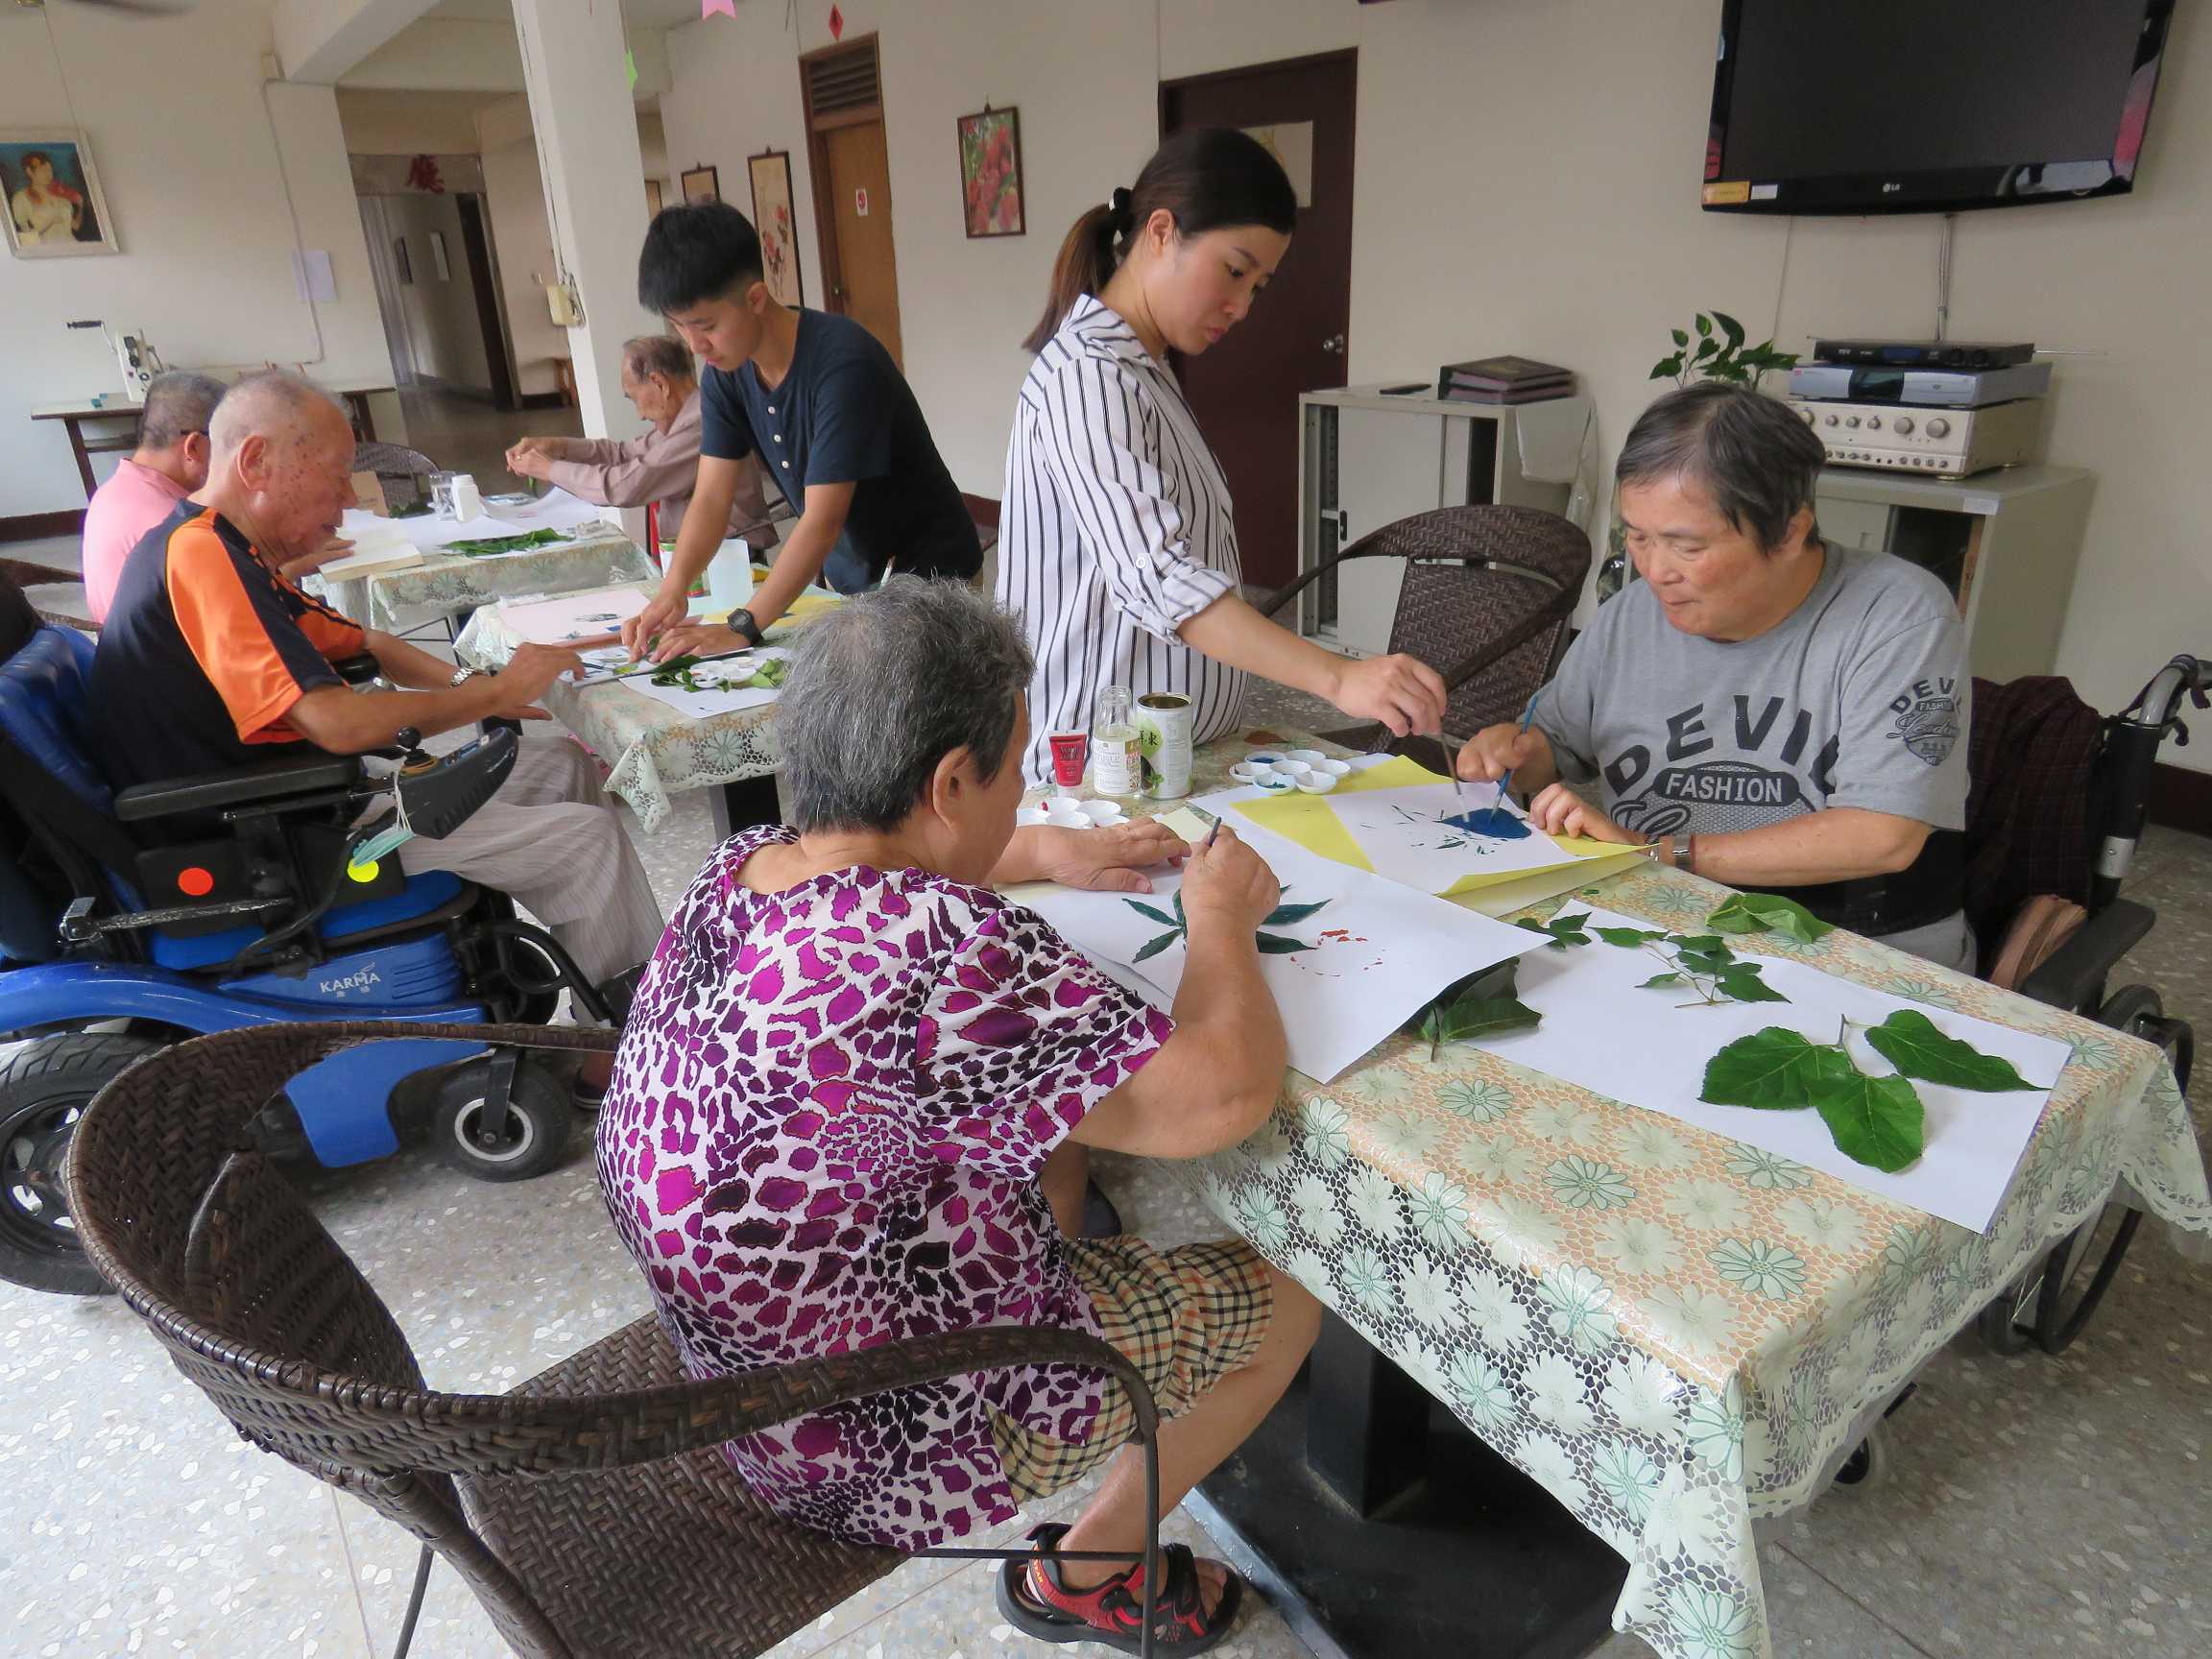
[
  {"x": 740, "y": 622},
  {"x": 461, "y": 675}
]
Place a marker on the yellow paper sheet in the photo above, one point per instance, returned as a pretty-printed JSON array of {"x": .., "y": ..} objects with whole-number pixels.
[
  {"x": 1307, "y": 820},
  {"x": 803, "y": 609}
]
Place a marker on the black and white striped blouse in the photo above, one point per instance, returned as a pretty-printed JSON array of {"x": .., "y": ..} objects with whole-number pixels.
[{"x": 1114, "y": 530}]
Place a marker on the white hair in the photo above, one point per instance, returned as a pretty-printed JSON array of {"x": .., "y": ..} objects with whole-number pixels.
[{"x": 270, "y": 404}]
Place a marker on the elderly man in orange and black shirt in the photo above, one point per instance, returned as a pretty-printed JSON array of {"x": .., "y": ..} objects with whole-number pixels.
[{"x": 211, "y": 659}]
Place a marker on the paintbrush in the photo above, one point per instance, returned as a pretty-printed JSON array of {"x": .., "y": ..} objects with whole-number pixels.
[{"x": 1529, "y": 713}]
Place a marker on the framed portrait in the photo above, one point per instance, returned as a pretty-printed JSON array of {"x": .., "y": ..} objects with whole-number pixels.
[
  {"x": 54, "y": 208},
  {"x": 652, "y": 196},
  {"x": 438, "y": 258},
  {"x": 701, "y": 184},
  {"x": 991, "y": 173},
  {"x": 772, "y": 218},
  {"x": 402, "y": 263}
]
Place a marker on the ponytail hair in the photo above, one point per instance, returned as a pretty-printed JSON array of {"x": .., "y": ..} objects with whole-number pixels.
[{"x": 1205, "y": 178}]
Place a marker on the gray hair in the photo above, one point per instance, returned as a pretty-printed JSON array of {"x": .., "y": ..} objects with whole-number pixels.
[
  {"x": 1751, "y": 453},
  {"x": 884, "y": 688},
  {"x": 178, "y": 404},
  {"x": 651, "y": 354},
  {"x": 272, "y": 402}
]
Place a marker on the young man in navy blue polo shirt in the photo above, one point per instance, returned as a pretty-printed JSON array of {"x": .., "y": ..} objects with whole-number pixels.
[{"x": 832, "y": 420}]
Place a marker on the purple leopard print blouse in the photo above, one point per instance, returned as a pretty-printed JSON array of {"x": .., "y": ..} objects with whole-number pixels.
[{"x": 824, "y": 1132}]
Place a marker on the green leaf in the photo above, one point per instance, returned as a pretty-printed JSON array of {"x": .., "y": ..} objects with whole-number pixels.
[
  {"x": 1909, "y": 1041},
  {"x": 1280, "y": 945},
  {"x": 1179, "y": 916},
  {"x": 1151, "y": 913},
  {"x": 1774, "y": 1070},
  {"x": 1290, "y": 913},
  {"x": 1658, "y": 979},
  {"x": 1770, "y": 912},
  {"x": 1705, "y": 350},
  {"x": 1157, "y": 946},
  {"x": 1705, "y": 326},
  {"x": 1627, "y": 938},
  {"x": 1667, "y": 367},
  {"x": 1472, "y": 1016},
  {"x": 1682, "y": 336},
  {"x": 1564, "y": 931},
  {"x": 1730, "y": 328},
  {"x": 1741, "y": 982},
  {"x": 1703, "y": 962},
  {"x": 1878, "y": 1122}
]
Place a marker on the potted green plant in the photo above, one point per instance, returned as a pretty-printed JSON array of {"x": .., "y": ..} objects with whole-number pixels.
[{"x": 1712, "y": 349}]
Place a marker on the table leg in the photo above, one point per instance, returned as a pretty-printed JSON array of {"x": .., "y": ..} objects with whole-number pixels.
[
  {"x": 744, "y": 805},
  {"x": 1367, "y": 1421},
  {"x": 75, "y": 431}
]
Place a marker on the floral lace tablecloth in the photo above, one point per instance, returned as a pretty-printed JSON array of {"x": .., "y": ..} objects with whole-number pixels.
[
  {"x": 1674, "y": 1333},
  {"x": 653, "y": 751},
  {"x": 599, "y": 556}
]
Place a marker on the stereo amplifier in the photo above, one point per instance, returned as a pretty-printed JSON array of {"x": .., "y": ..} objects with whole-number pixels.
[
  {"x": 1937, "y": 388},
  {"x": 1925, "y": 353},
  {"x": 1950, "y": 443}
]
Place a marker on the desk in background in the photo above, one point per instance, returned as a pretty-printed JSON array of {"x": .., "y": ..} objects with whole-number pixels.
[{"x": 74, "y": 413}]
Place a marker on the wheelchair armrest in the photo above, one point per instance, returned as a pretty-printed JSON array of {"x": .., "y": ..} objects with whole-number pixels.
[
  {"x": 359, "y": 669},
  {"x": 2073, "y": 973},
  {"x": 273, "y": 781}
]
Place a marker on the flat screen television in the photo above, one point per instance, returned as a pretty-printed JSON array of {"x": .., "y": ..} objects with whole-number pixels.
[{"x": 1928, "y": 105}]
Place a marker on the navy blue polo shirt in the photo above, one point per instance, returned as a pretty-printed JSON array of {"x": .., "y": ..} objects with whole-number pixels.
[{"x": 845, "y": 414}]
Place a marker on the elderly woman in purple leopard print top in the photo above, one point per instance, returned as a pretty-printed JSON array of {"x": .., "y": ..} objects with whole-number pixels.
[{"x": 847, "y": 1072}]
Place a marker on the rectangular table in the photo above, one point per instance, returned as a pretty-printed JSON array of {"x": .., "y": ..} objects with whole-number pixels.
[
  {"x": 75, "y": 412},
  {"x": 1672, "y": 1333},
  {"x": 653, "y": 750},
  {"x": 599, "y": 555}
]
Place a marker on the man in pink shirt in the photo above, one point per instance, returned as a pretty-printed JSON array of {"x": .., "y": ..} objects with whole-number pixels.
[
  {"x": 659, "y": 466},
  {"x": 169, "y": 464}
]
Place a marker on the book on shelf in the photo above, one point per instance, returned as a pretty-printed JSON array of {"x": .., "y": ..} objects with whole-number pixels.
[
  {"x": 1504, "y": 374},
  {"x": 1542, "y": 394}
]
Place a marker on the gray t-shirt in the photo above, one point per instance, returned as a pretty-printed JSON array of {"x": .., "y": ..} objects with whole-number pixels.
[{"x": 1857, "y": 698}]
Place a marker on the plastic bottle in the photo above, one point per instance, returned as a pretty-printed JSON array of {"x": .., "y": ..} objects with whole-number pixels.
[{"x": 1114, "y": 765}]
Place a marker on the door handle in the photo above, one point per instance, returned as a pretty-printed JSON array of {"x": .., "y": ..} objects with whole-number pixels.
[{"x": 1335, "y": 344}]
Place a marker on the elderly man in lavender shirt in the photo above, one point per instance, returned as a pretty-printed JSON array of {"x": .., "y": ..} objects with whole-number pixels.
[{"x": 659, "y": 466}]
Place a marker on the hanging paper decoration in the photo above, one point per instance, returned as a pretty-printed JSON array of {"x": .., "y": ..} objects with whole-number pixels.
[
  {"x": 707, "y": 8},
  {"x": 836, "y": 24}
]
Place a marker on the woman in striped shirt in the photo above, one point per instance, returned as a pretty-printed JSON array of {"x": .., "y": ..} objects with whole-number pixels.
[{"x": 1117, "y": 543}]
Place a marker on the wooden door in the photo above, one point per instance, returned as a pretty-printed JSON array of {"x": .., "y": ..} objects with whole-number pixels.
[
  {"x": 865, "y": 283},
  {"x": 1245, "y": 389}
]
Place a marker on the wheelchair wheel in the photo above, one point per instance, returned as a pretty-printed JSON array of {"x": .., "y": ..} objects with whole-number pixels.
[
  {"x": 44, "y": 1088},
  {"x": 534, "y": 1139},
  {"x": 2050, "y": 1304}
]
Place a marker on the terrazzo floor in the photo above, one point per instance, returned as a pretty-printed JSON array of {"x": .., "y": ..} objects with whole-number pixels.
[{"x": 2035, "y": 1506}]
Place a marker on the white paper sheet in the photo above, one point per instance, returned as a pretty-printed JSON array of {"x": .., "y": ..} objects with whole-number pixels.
[
  {"x": 1380, "y": 950},
  {"x": 428, "y": 533},
  {"x": 722, "y": 699},
  {"x": 1403, "y": 834},
  {"x": 1635, "y": 1045},
  {"x": 565, "y": 617},
  {"x": 558, "y": 509}
]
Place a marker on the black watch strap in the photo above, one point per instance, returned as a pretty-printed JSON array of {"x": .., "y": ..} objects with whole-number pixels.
[{"x": 740, "y": 621}]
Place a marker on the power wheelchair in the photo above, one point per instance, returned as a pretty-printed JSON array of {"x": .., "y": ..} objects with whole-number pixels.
[{"x": 132, "y": 919}]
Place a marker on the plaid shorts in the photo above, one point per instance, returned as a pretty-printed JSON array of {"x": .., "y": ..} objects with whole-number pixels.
[{"x": 1184, "y": 1318}]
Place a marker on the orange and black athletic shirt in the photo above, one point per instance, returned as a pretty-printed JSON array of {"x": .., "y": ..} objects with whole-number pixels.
[{"x": 203, "y": 653}]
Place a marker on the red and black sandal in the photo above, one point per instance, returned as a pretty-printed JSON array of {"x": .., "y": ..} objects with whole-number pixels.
[{"x": 1036, "y": 1600}]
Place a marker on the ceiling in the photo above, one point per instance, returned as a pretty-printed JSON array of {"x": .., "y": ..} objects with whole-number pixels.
[{"x": 638, "y": 14}]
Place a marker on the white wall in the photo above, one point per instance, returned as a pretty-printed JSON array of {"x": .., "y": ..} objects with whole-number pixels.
[
  {"x": 441, "y": 322},
  {"x": 380, "y": 123},
  {"x": 514, "y": 199},
  {"x": 1527, "y": 181},
  {"x": 197, "y": 195}
]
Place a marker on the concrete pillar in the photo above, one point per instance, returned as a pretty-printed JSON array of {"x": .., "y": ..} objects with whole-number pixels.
[{"x": 587, "y": 126}]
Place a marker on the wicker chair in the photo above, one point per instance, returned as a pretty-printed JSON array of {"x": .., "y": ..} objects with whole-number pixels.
[
  {"x": 1486, "y": 601},
  {"x": 592, "y": 1510},
  {"x": 24, "y": 573},
  {"x": 395, "y": 464}
]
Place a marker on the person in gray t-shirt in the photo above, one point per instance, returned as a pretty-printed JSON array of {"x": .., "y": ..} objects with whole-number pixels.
[{"x": 1765, "y": 707}]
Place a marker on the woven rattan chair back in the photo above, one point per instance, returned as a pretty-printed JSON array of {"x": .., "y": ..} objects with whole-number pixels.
[
  {"x": 263, "y": 1312},
  {"x": 1486, "y": 601},
  {"x": 394, "y": 463}
]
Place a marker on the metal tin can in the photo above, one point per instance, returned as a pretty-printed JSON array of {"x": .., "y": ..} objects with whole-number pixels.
[{"x": 1164, "y": 724}]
